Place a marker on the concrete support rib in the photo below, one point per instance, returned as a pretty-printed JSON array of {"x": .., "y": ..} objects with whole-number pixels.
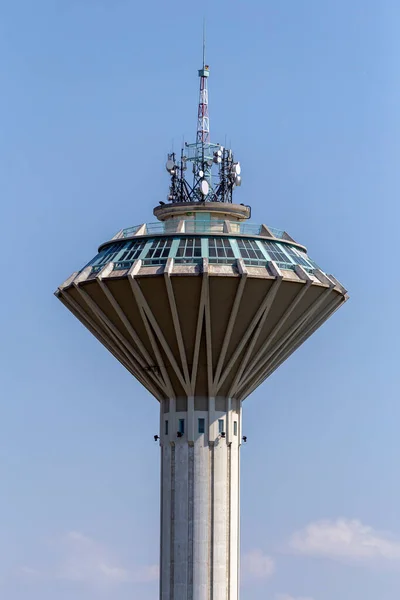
[
  {"x": 267, "y": 352},
  {"x": 200, "y": 505},
  {"x": 200, "y": 319},
  {"x": 297, "y": 339},
  {"x": 175, "y": 318},
  {"x": 131, "y": 356},
  {"x": 265, "y": 305},
  {"x": 92, "y": 327},
  {"x": 117, "y": 345},
  {"x": 233, "y": 315},
  {"x": 130, "y": 330},
  {"x": 271, "y": 296},
  {"x": 147, "y": 314}
]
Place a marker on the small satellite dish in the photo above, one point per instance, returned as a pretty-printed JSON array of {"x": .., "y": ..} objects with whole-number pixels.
[
  {"x": 236, "y": 168},
  {"x": 170, "y": 165},
  {"x": 238, "y": 180},
  {"x": 201, "y": 174},
  {"x": 204, "y": 187},
  {"x": 219, "y": 152}
]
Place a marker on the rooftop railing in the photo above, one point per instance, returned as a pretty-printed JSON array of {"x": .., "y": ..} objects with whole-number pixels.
[{"x": 202, "y": 227}]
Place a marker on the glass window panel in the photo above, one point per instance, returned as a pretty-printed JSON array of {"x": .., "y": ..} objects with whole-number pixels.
[
  {"x": 160, "y": 248},
  {"x": 275, "y": 252},
  {"x": 221, "y": 248},
  {"x": 189, "y": 248},
  {"x": 201, "y": 425},
  {"x": 132, "y": 250},
  {"x": 297, "y": 259},
  {"x": 250, "y": 250},
  {"x": 106, "y": 255},
  {"x": 310, "y": 260}
]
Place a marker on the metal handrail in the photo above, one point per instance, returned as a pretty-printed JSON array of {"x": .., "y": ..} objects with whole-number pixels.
[{"x": 213, "y": 226}]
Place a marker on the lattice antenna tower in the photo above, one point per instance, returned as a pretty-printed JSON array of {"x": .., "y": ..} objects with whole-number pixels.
[{"x": 215, "y": 172}]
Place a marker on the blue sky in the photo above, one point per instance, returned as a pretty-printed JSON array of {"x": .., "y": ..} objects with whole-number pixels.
[{"x": 93, "y": 94}]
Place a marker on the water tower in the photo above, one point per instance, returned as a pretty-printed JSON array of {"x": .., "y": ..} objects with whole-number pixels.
[{"x": 201, "y": 307}]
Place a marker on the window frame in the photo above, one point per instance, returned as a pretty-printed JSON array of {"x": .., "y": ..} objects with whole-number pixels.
[
  {"x": 220, "y": 250},
  {"x": 189, "y": 250},
  {"x": 276, "y": 252},
  {"x": 246, "y": 246},
  {"x": 159, "y": 251}
]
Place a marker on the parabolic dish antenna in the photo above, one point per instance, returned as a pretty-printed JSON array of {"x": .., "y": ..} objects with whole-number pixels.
[
  {"x": 170, "y": 165},
  {"x": 204, "y": 187}
]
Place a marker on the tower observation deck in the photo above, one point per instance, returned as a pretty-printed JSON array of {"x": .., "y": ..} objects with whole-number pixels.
[{"x": 201, "y": 307}]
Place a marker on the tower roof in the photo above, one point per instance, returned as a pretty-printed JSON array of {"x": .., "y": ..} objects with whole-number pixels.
[{"x": 218, "y": 210}]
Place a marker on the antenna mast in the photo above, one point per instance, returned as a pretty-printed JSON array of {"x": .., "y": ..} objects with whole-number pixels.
[
  {"x": 203, "y": 119},
  {"x": 204, "y": 155}
]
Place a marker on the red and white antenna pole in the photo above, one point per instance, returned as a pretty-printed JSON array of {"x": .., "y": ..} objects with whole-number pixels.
[{"x": 203, "y": 120}]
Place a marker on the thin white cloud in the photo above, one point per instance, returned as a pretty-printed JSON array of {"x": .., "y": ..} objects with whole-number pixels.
[
  {"x": 85, "y": 561},
  {"x": 257, "y": 565},
  {"x": 345, "y": 539},
  {"x": 289, "y": 597}
]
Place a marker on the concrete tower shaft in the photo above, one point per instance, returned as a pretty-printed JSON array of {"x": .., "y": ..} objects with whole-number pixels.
[{"x": 200, "y": 499}]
